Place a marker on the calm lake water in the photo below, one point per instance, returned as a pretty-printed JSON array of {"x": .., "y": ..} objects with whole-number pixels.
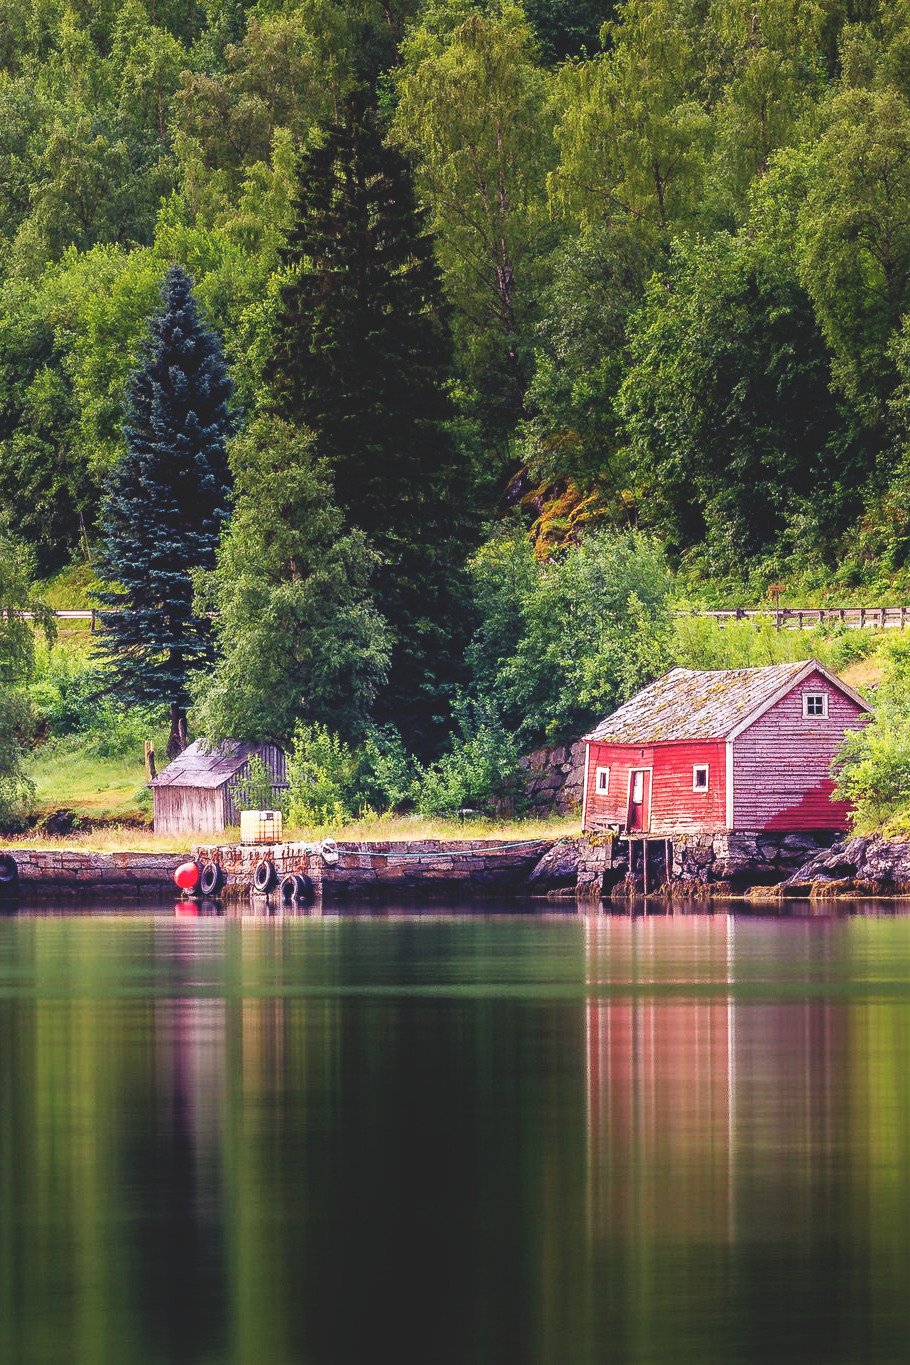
[{"x": 439, "y": 1137}]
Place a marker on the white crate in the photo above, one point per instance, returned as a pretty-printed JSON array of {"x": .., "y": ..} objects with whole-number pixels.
[{"x": 260, "y": 826}]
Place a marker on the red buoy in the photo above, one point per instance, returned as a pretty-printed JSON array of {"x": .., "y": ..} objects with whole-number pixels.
[{"x": 187, "y": 876}]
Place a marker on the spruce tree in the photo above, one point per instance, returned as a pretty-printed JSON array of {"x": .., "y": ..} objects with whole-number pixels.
[
  {"x": 361, "y": 354},
  {"x": 165, "y": 504}
]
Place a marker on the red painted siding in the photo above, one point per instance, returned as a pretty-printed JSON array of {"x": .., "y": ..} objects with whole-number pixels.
[
  {"x": 781, "y": 763},
  {"x": 675, "y": 807}
]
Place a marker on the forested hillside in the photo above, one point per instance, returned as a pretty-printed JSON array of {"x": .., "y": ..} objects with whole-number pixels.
[{"x": 525, "y": 310}]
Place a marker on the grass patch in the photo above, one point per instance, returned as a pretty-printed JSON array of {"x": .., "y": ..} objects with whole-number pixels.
[
  {"x": 393, "y": 827},
  {"x": 67, "y": 777},
  {"x": 125, "y": 838},
  {"x": 71, "y": 589},
  {"x": 113, "y": 838}
]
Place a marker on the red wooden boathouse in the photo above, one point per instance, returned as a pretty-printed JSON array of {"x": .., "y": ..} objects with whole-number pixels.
[{"x": 745, "y": 749}]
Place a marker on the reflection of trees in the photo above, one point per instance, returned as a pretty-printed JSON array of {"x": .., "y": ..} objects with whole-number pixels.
[{"x": 282, "y": 1142}]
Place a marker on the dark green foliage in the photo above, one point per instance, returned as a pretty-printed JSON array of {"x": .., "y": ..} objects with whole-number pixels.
[
  {"x": 728, "y": 403},
  {"x": 562, "y": 643},
  {"x": 567, "y": 28},
  {"x": 17, "y": 661},
  {"x": 360, "y": 356},
  {"x": 576, "y": 431},
  {"x": 299, "y": 635},
  {"x": 165, "y": 505},
  {"x": 672, "y": 241}
]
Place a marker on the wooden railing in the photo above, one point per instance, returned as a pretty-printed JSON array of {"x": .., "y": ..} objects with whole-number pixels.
[
  {"x": 809, "y": 618},
  {"x": 782, "y": 618}
]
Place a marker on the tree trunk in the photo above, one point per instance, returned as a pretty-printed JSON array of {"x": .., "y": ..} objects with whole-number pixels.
[{"x": 176, "y": 740}]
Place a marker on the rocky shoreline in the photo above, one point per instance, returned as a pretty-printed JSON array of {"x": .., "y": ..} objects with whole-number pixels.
[
  {"x": 586, "y": 867},
  {"x": 748, "y": 867},
  {"x": 854, "y": 867}
]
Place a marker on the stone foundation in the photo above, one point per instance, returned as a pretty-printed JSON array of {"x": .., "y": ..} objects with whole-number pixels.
[
  {"x": 587, "y": 867},
  {"x": 741, "y": 859}
]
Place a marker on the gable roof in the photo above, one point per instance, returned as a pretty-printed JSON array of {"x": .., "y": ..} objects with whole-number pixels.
[
  {"x": 203, "y": 764},
  {"x": 689, "y": 703}
]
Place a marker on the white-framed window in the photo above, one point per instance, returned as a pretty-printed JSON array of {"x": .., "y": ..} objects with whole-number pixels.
[
  {"x": 815, "y": 703},
  {"x": 602, "y": 781},
  {"x": 700, "y": 777}
]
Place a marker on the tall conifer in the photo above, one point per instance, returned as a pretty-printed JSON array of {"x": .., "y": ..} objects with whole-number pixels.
[
  {"x": 165, "y": 504},
  {"x": 360, "y": 355}
]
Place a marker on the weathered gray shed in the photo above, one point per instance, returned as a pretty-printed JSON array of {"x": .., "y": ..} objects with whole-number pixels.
[{"x": 195, "y": 793}]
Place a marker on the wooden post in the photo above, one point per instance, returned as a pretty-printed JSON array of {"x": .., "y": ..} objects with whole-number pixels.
[
  {"x": 644, "y": 866},
  {"x": 150, "y": 761},
  {"x": 668, "y": 866},
  {"x": 94, "y": 620},
  {"x": 903, "y": 617},
  {"x": 862, "y": 617}
]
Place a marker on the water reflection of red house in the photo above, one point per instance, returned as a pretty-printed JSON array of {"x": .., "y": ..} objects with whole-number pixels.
[
  {"x": 694, "y": 1088},
  {"x": 659, "y": 1079}
]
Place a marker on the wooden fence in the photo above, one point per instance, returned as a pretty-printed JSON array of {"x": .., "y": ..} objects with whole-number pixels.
[
  {"x": 809, "y": 618},
  {"x": 782, "y": 618}
]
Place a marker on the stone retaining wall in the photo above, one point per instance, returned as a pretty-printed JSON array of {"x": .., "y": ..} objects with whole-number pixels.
[
  {"x": 554, "y": 778},
  {"x": 67, "y": 873}
]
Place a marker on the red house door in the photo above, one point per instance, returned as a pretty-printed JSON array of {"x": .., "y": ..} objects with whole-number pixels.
[{"x": 639, "y": 799}]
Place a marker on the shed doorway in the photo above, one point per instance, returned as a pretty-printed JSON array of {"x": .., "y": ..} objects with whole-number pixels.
[{"x": 639, "y": 813}]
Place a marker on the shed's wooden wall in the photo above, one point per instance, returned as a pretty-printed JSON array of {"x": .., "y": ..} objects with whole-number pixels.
[
  {"x": 781, "y": 763},
  {"x": 675, "y": 807},
  {"x": 276, "y": 762},
  {"x": 188, "y": 810}
]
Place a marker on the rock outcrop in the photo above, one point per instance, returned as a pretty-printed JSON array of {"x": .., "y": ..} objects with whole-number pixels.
[
  {"x": 588, "y": 867},
  {"x": 854, "y": 867}
]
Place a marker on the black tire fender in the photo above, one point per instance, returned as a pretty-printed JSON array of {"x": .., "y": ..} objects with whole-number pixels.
[
  {"x": 9, "y": 868},
  {"x": 305, "y": 890},
  {"x": 265, "y": 876},
  {"x": 296, "y": 886},
  {"x": 211, "y": 879}
]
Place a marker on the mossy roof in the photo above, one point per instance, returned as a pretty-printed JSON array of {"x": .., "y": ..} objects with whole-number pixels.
[
  {"x": 689, "y": 703},
  {"x": 206, "y": 765}
]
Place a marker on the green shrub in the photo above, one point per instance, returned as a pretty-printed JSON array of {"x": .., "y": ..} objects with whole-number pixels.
[
  {"x": 872, "y": 767},
  {"x": 849, "y": 646},
  {"x": 481, "y": 770},
  {"x": 321, "y": 778},
  {"x": 386, "y": 772},
  {"x": 66, "y": 691},
  {"x": 564, "y": 642},
  {"x": 116, "y": 731},
  {"x": 257, "y": 791}
]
